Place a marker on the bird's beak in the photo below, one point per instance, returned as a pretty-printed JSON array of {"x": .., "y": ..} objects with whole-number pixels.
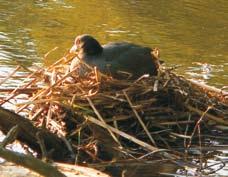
[{"x": 73, "y": 49}]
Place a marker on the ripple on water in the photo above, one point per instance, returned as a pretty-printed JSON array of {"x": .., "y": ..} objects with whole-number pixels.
[
  {"x": 50, "y": 4},
  {"x": 17, "y": 46},
  {"x": 3, "y": 36},
  {"x": 4, "y": 55}
]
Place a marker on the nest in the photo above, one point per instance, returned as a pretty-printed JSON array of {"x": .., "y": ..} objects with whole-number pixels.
[{"x": 164, "y": 117}]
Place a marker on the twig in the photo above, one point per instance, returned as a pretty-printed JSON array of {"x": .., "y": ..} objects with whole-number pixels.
[
  {"x": 14, "y": 92},
  {"x": 50, "y": 51},
  {"x": 139, "y": 119},
  {"x": 49, "y": 114},
  {"x": 139, "y": 142},
  {"x": 37, "y": 114},
  {"x": 102, "y": 120},
  {"x": 42, "y": 146},
  {"x": 30, "y": 162},
  {"x": 10, "y": 137},
  {"x": 68, "y": 145},
  {"x": 209, "y": 116},
  {"x": 47, "y": 90},
  {"x": 208, "y": 88},
  {"x": 10, "y": 75},
  {"x": 197, "y": 124},
  {"x": 20, "y": 90},
  {"x": 121, "y": 133}
]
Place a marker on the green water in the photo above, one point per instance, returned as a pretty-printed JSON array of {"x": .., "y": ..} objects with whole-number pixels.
[{"x": 185, "y": 31}]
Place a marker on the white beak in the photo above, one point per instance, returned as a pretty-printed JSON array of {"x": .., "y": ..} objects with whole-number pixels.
[{"x": 73, "y": 49}]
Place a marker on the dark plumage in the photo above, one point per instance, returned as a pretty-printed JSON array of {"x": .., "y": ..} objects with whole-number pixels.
[{"x": 113, "y": 58}]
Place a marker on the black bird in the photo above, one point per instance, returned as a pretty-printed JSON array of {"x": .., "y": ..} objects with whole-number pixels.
[{"x": 116, "y": 58}]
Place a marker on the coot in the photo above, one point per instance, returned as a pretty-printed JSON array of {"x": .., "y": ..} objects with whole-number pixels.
[{"x": 115, "y": 58}]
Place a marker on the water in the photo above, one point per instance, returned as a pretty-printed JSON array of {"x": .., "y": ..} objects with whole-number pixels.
[{"x": 192, "y": 34}]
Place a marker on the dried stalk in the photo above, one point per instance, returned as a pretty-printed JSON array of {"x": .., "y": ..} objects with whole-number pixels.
[
  {"x": 10, "y": 75},
  {"x": 139, "y": 119}
]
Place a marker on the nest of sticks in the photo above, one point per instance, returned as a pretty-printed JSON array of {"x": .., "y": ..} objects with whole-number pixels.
[{"x": 164, "y": 117}]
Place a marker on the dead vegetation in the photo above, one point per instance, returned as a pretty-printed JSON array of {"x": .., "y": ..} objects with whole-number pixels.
[{"x": 118, "y": 125}]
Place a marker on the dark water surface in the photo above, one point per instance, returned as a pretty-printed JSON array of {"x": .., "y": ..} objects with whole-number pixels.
[{"x": 189, "y": 33}]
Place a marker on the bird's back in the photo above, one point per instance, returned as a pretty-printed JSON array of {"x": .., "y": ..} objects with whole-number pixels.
[{"x": 125, "y": 57}]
